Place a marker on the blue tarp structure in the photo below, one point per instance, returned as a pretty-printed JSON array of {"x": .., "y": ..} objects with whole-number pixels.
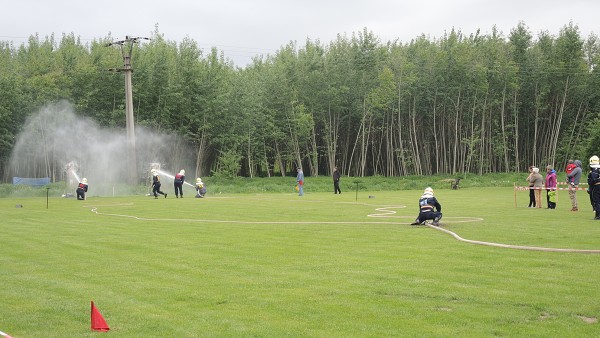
[{"x": 36, "y": 182}]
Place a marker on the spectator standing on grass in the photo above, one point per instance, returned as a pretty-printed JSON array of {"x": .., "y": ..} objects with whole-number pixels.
[
  {"x": 300, "y": 182},
  {"x": 531, "y": 190},
  {"x": 551, "y": 187},
  {"x": 336, "y": 181},
  {"x": 538, "y": 184},
  {"x": 594, "y": 185},
  {"x": 573, "y": 178},
  {"x": 429, "y": 208}
]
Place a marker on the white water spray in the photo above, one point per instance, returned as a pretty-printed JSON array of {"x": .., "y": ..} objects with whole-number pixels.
[
  {"x": 60, "y": 143},
  {"x": 173, "y": 177}
]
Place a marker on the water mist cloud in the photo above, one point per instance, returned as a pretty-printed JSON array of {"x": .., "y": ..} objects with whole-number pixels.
[{"x": 56, "y": 136}]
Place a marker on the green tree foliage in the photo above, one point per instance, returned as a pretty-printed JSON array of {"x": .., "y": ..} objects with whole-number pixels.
[{"x": 457, "y": 104}]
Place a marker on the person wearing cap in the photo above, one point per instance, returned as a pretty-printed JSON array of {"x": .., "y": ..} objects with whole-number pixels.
[
  {"x": 551, "y": 187},
  {"x": 594, "y": 185},
  {"x": 82, "y": 188},
  {"x": 300, "y": 182},
  {"x": 156, "y": 184},
  {"x": 429, "y": 208},
  {"x": 178, "y": 183},
  {"x": 200, "y": 188},
  {"x": 573, "y": 178}
]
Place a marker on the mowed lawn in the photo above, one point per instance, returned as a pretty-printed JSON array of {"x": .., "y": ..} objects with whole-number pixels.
[{"x": 321, "y": 265}]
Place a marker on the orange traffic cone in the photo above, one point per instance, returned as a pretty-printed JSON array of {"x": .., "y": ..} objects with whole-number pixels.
[{"x": 98, "y": 322}]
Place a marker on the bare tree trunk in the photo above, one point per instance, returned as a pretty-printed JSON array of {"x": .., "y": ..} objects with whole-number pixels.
[
  {"x": 516, "y": 128},
  {"x": 435, "y": 134},
  {"x": 332, "y": 127},
  {"x": 279, "y": 159},
  {"x": 249, "y": 156},
  {"x": 503, "y": 128},
  {"x": 535, "y": 125},
  {"x": 558, "y": 121},
  {"x": 415, "y": 140},
  {"x": 456, "y": 132},
  {"x": 403, "y": 169}
]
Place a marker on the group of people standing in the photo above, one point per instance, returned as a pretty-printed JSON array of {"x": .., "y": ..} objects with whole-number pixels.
[
  {"x": 573, "y": 171},
  {"x": 537, "y": 183},
  {"x": 178, "y": 182}
]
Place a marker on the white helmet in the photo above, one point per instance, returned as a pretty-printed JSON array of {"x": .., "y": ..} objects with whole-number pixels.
[
  {"x": 182, "y": 172},
  {"x": 153, "y": 172},
  {"x": 594, "y": 160},
  {"x": 84, "y": 180},
  {"x": 198, "y": 180},
  {"x": 428, "y": 192}
]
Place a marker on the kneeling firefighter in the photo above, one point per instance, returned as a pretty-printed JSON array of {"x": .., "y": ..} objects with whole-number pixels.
[{"x": 429, "y": 208}]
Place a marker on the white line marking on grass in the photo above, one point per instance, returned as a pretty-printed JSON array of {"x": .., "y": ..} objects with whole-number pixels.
[{"x": 95, "y": 210}]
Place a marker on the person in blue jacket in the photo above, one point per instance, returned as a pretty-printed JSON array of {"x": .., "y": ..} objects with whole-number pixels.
[{"x": 429, "y": 208}]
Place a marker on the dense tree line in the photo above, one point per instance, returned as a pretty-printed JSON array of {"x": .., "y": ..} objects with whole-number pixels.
[{"x": 476, "y": 103}]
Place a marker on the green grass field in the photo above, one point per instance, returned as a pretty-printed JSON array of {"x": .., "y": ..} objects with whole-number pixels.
[{"x": 275, "y": 264}]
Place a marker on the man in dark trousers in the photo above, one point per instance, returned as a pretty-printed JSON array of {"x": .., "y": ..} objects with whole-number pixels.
[
  {"x": 156, "y": 184},
  {"x": 178, "y": 183},
  {"x": 429, "y": 208},
  {"x": 336, "y": 181},
  {"x": 594, "y": 185}
]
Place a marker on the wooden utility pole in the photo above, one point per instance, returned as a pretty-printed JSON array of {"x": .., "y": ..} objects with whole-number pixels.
[{"x": 126, "y": 50}]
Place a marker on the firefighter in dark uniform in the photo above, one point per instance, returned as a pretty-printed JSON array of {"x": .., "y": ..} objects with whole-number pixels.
[
  {"x": 156, "y": 184},
  {"x": 594, "y": 185},
  {"x": 429, "y": 208},
  {"x": 178, "y": 183},
  {"x": 82, "y": 188}
]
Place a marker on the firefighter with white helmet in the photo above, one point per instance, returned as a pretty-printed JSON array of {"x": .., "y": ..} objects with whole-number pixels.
[
  {"x": 594, "y": 185},
  {"x": 82, "y": 188},
  {"x": 200, "y": 188},
  {"x": 156, "y": 184},
  {"x": 429, "y": 208},
  {"x": 178, "y": 183}
]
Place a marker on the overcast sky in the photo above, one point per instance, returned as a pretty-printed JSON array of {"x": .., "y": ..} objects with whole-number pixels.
[{"x": 245, "y": 28}]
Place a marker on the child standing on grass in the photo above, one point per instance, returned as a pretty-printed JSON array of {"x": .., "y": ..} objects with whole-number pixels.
[
  {"x": 570, "y": 167},
  {"x": 551, "y": 187}
]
